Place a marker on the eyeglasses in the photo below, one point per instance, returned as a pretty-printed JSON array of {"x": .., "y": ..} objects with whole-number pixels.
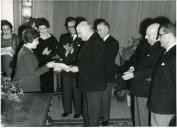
[
  {"x": 71, "y": 26},
  {"x": 7, "y": 29},
  {"x": 159, "y": 35}
]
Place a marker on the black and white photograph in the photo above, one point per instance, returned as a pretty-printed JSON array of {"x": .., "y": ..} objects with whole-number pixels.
[{"x": 88, "y": 63}]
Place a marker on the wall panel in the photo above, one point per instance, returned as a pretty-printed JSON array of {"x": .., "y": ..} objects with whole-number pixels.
[
  {"x": 105, "y": 10},
  {"x": 124, "y": 20},
  {"x": 159, "y": 8},
  {"x": 88, "y": 9},
  {"x": 44, "y": 8},
  {"x": 17, "y": 15},
  {"x": 62, "y": 9}
]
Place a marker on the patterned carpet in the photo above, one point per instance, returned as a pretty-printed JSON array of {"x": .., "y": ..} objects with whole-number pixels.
[
  {"x": 79, "y": 123},
  {"x": 120, "y": 115}
]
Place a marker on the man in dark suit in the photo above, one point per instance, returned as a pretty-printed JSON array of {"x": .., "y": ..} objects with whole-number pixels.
[
  {"x": 69, "y": 47},
  {"x": 91, "y": 72},
  {"x": 141, "y": 74},
  {"x": 69, "y": 37},
  {"x": 162, "y": 100},
  {"x": 111, "y": 51}
]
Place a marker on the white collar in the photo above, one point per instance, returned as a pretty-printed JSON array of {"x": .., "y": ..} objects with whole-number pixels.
[
  {"x": 170, "y": 47},
  {"x": 74, "y": 36},
  {"x": 106, "y": 37},
  {"x": 90, "y": 35}
]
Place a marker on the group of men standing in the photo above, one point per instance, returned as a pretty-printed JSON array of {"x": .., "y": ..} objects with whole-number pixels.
[
  {"x": 153, "y": 77},
  {"x": 90, "y": 79},
  {"x": 93, "y": 57}
]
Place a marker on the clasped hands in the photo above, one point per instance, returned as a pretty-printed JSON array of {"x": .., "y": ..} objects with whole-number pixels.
[
  {"x": 128, "y": 74},
  {"x": 46, "y": 51},
  {"x": 61, "y": 66}
]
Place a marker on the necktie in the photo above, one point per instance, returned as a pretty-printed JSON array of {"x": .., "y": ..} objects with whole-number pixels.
[{"x": 73, "y": 37}]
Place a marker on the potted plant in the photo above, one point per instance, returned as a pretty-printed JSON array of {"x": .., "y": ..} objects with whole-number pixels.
[{"x": 121, "y": 90}]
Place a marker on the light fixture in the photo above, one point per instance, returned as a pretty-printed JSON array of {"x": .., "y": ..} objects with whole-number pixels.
[{"x": 26, "y": 10}]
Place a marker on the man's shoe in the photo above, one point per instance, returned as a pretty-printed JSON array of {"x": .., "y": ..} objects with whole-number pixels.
[
  {"x": 105, "y": 123},
  {"x": 65, "y": 114},
  {"x": 76, "y": 115}
]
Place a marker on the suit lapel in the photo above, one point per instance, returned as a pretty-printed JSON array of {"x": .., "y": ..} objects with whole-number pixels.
[
  {"x": 83, "y": 49},
  {"x": 169, "y": 54}
]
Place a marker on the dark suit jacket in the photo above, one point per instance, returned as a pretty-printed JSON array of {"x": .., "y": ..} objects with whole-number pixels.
[
  {"x": 163, "y": 88},
  {"x": 140, "y": 85},
  {"x": 63, "y": 39},
  {"x": 71, "y": 58},
  {"x": 141, "y": 48},
  {"x": 67, "y": 38},
  {"x": 28, "y": 70},
  {"x": 91, "y": 76},
  {"x": 111, "y": 51}
]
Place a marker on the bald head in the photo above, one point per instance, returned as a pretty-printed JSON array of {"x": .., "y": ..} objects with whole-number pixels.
[
  {"x": 84, "y": 30},
  {"x": 151, "y": 33},
  {"x": 153, "y": 28}
]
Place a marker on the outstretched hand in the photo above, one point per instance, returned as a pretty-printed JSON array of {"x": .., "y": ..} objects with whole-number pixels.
[
  {"x": 74, "y": 69},
  {"x": 50, "y": 64}
]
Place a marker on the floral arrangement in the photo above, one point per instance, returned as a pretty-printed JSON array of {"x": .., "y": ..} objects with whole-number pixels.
[
  {"x": 10, "y": 89},
  {"x": 128, "y": 51},
  {"x": 10, "y": 94}
]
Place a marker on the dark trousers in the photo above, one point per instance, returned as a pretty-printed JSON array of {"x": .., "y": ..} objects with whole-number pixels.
[
  {"x": 47, "y": 81},
  {"x": 106, "y": 102},
  {"x": 91, "y": 108},
  {"x": 71, "y": 93}
]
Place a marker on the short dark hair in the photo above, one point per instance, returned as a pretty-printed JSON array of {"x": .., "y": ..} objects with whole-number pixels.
[
  {"x": 6, "y": 22},
  {"x": 169, "y": 28},
  {"x": 79, "y": 19},
  {"x": 42, "y": 21},
  {"x": 21, "y": 28},
  {"x": 31, "y": 21},
  {"x": 69, "y": 19},
  {"x": 161, "y": 20},
  {"x": 29, "y": 35},
  {"x": 100, "y": 21}
]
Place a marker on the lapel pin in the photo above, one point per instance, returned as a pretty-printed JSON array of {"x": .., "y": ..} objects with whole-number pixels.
[{"x": 163, "y": 64}]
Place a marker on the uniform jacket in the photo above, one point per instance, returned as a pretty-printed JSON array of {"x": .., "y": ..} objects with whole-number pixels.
[
  {"x": 163, "y": 88},
  {"x": 28, "y": 70},
  {"x": 111, "y": 51},
  {"x": 140, "y": 84},
  {"x": 91, "y": 76}
]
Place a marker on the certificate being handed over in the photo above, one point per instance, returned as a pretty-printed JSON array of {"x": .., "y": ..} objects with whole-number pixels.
[{"x": 60, "y": 66}]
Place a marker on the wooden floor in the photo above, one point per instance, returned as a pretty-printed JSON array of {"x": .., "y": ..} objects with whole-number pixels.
[{"x": 119, "y": 110}]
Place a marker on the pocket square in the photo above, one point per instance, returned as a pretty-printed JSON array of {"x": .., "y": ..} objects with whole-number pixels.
[{"x": 163, "y": 64}]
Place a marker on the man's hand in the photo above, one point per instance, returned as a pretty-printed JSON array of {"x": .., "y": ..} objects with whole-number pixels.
[
  {"x": 74, "y": 69},
  {"x": 127, "y": 75}
]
